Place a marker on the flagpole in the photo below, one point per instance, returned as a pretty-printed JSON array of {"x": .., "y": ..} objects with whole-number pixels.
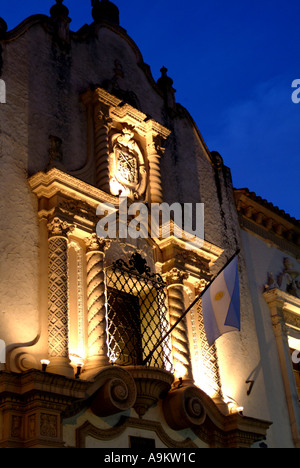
[{"x": 189, "y": 308}]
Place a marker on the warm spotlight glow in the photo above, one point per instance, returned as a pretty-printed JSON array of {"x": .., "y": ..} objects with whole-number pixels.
[
  {"x": 233, "y": 406},
  {"x": 45, "y": 362},
  {"x": 76, "y": 361},
  {"x": 179, "y": 371},
  {"x": 116, "y": 188}
]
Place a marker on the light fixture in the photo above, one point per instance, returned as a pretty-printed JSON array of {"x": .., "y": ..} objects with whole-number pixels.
[
  {"x": 77, "y": 362},
  {"x": 79, "y": 366},
  {"x": 45, "y": 363},
  {"x": 180, "y": 383},
  {"x": 233, "y": 407}
]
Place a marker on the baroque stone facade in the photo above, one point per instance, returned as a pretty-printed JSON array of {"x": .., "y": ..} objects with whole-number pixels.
[{"x": 88, "y": 127}]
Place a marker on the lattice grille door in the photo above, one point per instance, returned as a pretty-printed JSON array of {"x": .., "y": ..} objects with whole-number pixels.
[{"x": 137, "y": 316}]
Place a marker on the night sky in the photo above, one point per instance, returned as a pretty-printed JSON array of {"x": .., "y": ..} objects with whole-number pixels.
[{"x": 233, "y": 63}]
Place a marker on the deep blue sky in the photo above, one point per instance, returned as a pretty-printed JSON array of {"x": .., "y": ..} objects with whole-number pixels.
[{"x": 233, "y": 63}]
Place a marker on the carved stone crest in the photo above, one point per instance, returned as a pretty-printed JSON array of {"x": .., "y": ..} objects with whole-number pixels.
[{"x": 127, "y": 170}]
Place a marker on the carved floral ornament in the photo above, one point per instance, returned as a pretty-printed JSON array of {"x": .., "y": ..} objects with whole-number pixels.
[{"x": 127, "y": 170}]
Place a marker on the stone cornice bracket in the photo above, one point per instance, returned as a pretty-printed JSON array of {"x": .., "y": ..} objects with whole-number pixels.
[
  {"x": 59, "y": 228},
  {"x": 183, "y": 408},
  {"x": 114, "y": 390}
]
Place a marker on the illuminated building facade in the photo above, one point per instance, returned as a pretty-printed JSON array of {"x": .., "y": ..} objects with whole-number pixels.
[{"x": 82, "y": 317}]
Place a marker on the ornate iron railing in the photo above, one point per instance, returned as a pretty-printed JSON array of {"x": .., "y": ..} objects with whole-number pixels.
[{"x": 137, "y": 314}]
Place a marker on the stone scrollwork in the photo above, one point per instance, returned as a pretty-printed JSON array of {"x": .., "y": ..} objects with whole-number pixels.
[
  {"x": 183, "y": 408},
  {"x": 116, "y": 392},
  {"x": 127, "y": 169}
]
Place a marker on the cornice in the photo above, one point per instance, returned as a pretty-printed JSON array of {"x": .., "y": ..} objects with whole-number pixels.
[
  {"x": 48, "y": 184},
  {"x": 122, "y": 112},
  {"x": 267, "y": 221},
  {"x": 287, "y": 302}
]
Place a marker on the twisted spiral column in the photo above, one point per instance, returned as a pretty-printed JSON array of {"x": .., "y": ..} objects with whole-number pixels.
[
  {"x": 58, "y": 298},
  {"x": 96, "y": 303},
  {"x": 102, "y": 125},
  {"x": 156, "y": 194},
  {"x": 179, "y": 336}
]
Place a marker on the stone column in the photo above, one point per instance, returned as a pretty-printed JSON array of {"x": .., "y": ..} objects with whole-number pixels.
[
  {"x": 102, "y": 126},
  {"x": 154, "y": 155},
  {"x": 58, "y": 307},
  {"x": 96, "y": 301},
  {"x": 179, "y": 336}
]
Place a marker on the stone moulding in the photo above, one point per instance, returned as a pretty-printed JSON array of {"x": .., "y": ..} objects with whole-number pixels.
[
  {"x": 190, "y": 407},
  {"x": 35, "y": 405},
  {"x": 87, "y": 429},
  {"x": 152, "y": 384}
]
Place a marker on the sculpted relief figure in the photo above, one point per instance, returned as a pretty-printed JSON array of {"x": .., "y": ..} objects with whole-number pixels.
[{"x": 288, "y": 280}]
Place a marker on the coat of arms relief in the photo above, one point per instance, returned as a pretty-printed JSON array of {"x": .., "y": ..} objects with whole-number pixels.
[{"x": 127, "y": 169}]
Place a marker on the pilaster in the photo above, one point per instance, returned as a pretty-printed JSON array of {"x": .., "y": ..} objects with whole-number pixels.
[{"x": 58, "y": 307}]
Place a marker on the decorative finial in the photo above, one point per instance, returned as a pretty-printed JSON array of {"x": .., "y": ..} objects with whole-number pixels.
[
  {"x": 60, "y": 15},
  {"x": 59, "y": 10},
  {"x": 165, "y": 81},
  {"x": 105, "y": 10},
  {"x": 166, "y": 85},
  {"x": 3, "y": 27}
]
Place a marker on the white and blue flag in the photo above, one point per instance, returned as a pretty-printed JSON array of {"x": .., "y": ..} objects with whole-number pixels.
[{"x": 221, "y": 304}]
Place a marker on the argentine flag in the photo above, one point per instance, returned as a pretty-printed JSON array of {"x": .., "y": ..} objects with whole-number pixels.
[{"x": 221, "y": 304}]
